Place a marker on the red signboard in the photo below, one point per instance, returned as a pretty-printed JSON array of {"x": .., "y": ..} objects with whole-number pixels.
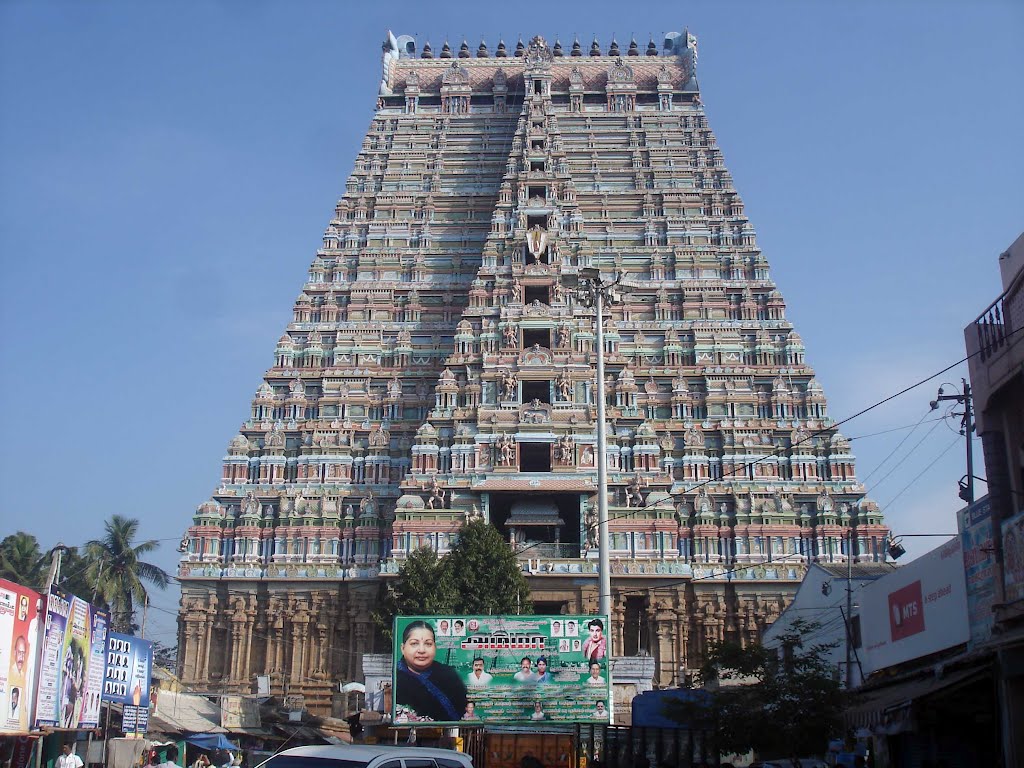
[{"x": 906, "y": 611}]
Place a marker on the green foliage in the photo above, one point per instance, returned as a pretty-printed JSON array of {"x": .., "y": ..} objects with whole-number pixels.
[
  {"x": 74, "y": 576},
  {"x": 422, "y": 586},
  {"x": 22, "y": 562},
  {"x": 165, "y": 656},
  {"x": 118, "y": 573},
  {"x": 485, "y": 573},
  {"x": 784, "y": 707},
  {"x": 479, "y": 576}
]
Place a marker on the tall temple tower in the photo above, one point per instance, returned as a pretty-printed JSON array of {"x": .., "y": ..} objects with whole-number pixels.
[{"x": 439, "y": 368}]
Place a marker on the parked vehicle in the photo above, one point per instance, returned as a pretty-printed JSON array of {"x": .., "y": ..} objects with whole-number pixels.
[{"x": 367, "y": 756}]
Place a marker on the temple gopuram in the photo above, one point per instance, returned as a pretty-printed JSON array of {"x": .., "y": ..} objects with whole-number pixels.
[{"x": 440, "y": 367}]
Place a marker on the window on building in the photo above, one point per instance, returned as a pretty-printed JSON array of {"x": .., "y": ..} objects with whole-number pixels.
[
  {"x": 541, "y": 336},
  {"x": 536, "y": 390},
  {"x": 537, "y": 293},
  {"x": 534, "y": 457}
]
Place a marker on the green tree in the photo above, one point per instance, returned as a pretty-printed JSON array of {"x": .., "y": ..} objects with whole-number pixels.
[
  {"x": 479, "y": 576},
  {"x": 423, "y": 586},
  {"x": 485, "y": 574},
  {"x": 165, "y": 656},
  {"x": 22, "y": 562},
  {"x": 786, "y": 705},
  {"x": 118, "y": 572}
]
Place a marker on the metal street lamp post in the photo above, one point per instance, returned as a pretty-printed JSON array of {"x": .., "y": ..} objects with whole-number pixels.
[{"x": 593, "y": 292}]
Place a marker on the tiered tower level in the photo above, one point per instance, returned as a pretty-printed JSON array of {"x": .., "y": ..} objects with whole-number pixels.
[{"x": 440, "y": 367}]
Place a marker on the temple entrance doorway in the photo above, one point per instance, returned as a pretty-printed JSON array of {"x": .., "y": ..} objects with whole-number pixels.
[{"x": 543, "y": 524}]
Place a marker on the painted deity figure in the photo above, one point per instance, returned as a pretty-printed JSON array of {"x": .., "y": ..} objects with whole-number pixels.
[
  {"x": 506, "y": 450},
  {"x": 634, "y": 497},
  {"x": 508, "y": 385},
  {"x": 590, "y": 522},
  {"x": 565, "y": 386},
  {"x": 510, "y": 335},
  {"x": 436, "y": 499},
  {"x": 564, "y": 449}
]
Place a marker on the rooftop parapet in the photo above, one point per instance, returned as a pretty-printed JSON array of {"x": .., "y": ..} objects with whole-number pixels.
[{"x": 403, "y": 54}]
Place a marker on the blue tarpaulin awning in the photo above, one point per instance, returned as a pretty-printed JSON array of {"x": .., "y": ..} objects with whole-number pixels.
[
  {"x": 649, "y": 708},
  {"x": 210, "y": 741}
]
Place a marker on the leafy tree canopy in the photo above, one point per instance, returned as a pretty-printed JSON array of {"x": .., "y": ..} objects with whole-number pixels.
[
  {"x": 22, "y": 562},
  {"x": 118, "y": 572},
  {"x": 782, "y": 702},
  {"x": 479, "y": 576}
]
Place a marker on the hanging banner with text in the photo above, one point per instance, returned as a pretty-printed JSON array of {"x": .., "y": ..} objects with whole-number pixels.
[
  {"x": 126, "y": 679},
  {"x": 500, "y": 669},
  {"x": 976, "y": 535},
  {"x": 71, "y": 665},
  {"x": 20, "y": 611},
  {"x": 128, "y": 670}
]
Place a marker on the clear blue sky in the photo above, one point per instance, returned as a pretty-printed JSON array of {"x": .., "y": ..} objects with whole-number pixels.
[{"x": 167, "y": 170}]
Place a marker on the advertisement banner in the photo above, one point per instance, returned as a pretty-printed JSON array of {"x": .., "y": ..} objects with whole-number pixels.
[
  {"x": 1013, "y": 558},
  {"x": 975, "y": 525},
  {"x": 134, "y": 719},
  {"x": 500, "y": 669},
  {"x": 128, "y": 670},
  {"x": 916, "y": 610},
  {"x": 72, "y": 662},
  {"x": 20, "y": 609}
]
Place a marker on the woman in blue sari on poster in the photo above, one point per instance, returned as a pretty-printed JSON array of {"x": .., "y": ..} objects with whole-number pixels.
[{"x": 432, "y": 690}]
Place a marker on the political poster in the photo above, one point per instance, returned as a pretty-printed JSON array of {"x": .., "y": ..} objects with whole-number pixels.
[
  {"x": 976, "y": 535},
  {"x": 500, "y": 669},
  {"x": 72, "y": 662},
  {"x": 128, "y": 670},
  {"x": 126, "y": 678},
  {"x": 20, "y": 610},
  {"x": 1013, "y": 558}
]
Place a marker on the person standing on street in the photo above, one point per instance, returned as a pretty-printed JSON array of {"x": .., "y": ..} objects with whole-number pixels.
[{"x": 68, "y": 759}]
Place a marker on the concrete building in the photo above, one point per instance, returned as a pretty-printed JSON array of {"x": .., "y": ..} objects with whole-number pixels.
[
  {"x": 995, "y": 342},
  {"x": 821, "y": 602},
  {"x": 440, "y": 368}
]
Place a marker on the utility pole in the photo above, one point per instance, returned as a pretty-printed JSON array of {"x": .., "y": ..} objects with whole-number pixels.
[
  {"x": 967, "y": 429},
  {"x": 849, "y": 608},
  {"x": 604, "y": 589},
  {"x": 55, "y": 558},
  {"x": 593, "y": 293}
]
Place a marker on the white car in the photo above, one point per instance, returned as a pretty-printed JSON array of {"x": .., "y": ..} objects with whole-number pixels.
[{"x": 367, "y": 756}]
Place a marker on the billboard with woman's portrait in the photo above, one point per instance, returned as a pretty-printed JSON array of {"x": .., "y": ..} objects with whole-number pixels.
[{"x": 500, "y": 669}]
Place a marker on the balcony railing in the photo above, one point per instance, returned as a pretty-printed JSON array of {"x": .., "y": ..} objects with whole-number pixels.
[
  {"x": 993, "y": 327},
  {"x": 547, "y": 549}
]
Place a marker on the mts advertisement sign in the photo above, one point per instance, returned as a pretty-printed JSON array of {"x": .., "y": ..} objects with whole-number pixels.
[
  {"x": 914, "y": 611},
  {"x": 500, "y": 669}
]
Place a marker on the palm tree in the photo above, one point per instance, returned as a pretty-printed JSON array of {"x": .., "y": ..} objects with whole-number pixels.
[
  {"x": 21, "y": 561},
  {"x": 118, "y": 573}
]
